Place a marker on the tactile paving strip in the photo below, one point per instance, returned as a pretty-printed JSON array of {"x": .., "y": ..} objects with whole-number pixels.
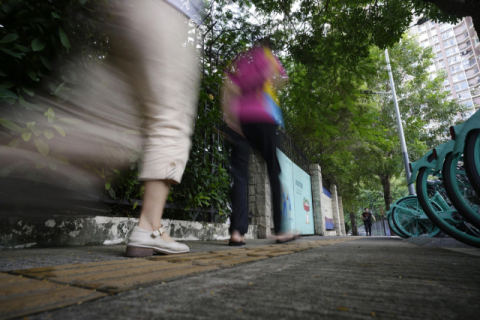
[
  {"x": 20, "y": 296},
  {"x": 39, "y": 289}
]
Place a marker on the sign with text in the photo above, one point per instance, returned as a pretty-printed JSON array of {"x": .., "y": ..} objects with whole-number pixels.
[{"x": 296, "y": 197}]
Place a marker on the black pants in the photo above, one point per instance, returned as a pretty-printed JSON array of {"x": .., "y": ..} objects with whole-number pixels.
[
  {"x": 262, "y": 137},
  {"x": 368, "y": 228}
]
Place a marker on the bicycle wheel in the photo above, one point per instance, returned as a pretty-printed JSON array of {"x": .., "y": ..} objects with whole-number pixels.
[
  {"x": 459, "y": 190},
  {"x": 471, "y": 156},
  {"x": 409, "y": 218},
  {"x": 438, "y": 208},
  {"x": 392, "y": 227}
]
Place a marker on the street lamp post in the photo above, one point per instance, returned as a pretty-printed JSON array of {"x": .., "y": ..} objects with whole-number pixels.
[
  {"x": 411, "y": 190},
  {"x": 403, "y": 145}
]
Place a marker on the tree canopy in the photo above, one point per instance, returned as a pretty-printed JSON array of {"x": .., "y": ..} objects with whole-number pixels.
[{"x": 332, "y": 50}]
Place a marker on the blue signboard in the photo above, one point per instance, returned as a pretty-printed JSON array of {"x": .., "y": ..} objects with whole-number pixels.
[
  {"x": 326, "y": 192},
  {"x": 303, "y": 201},
  {"x": 286, "y": 192},
  {"x": 329, "y": 224},
  {"x": 296, "y": 197}
]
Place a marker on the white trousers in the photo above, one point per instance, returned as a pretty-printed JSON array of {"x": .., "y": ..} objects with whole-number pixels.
[{"x": 153, "y": 51}]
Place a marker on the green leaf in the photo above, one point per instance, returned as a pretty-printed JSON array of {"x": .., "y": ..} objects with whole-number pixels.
[
  {"x": 40, "y": 165},
  {"x": 10, "y": 101},
  {"x": 13, "y": 53},
  {"x": 22, "y": 101},
  {"x": 70, "y": 121},
  {"x": 107, "y": 185},
  {"x": 14, "y": 143},
  {"x": 52, "y": 166},
  {"x": 60, "y": 159},
  {"x": 50, "y": 114},
  {"x": 33, "y": 75},
  {"x": 64, "y": 38},
  {"x": 38, "y": 44},
  {"x": 56, "y": 15},
  {"x": 37, "y": 131},
  {"x": 42, "y": 146},
  {"x": 10, "y": 125},
  {"x": 6, "y": 84},
  {"x": 9, "y": 38},
  {"x": 101, "y": 174},
  {"x": 26, "y": 136},
  {"x": 28, "y": 91},
  {"x": 48, "y": 134},
  {"x": 60, "y": 130},
  {"x": 30, "y": 125},
  {"x": 135, "y": 205},
  {"x": 22, "y": 48},
  {"x": 46, "y": 63},
  {"x": 5, "y": 93},
  {"x": 112, "y": 193}
]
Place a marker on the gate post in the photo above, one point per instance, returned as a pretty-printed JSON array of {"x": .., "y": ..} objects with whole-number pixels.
[
  {"x": 259, "y": 198},
  {"x": 317, "y": 190},
  {"x": 342, "y": 217},
  {"x": 336, "y": 215}
]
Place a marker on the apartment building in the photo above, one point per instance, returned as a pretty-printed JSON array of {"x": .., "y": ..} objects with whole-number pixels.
[{"x": 457, "y": 50}]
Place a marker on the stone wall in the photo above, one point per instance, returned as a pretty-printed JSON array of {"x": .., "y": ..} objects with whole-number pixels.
[
  {"x": 42, "y": 230},
  {"x": 259, "y": 197}
]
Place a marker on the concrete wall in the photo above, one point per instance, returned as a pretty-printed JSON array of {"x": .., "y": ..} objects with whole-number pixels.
[
  {"x": 317, "y": 191},
  {"x": 335, "y": 212},
  {"x": 42, "y": 230},
  {"x": 342, "y": 217},
  {"x": 327, "y": 212}
]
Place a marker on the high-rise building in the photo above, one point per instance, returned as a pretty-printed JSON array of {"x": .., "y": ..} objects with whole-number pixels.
[{"x": 457, "y": 52}]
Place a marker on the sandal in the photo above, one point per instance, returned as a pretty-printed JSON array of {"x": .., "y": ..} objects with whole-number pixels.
[{"x": 236, "y": 243}]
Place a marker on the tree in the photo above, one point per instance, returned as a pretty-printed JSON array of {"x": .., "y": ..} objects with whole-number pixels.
[
  {"x": 442, "y": 10},
  {"x": 425, "y": 110}
]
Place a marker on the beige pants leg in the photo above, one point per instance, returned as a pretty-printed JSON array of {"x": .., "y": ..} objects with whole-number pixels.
[{"x": 154, "y": 53}]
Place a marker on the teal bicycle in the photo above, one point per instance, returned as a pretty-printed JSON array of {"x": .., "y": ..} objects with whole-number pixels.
[{"x": 434, "y": 200}]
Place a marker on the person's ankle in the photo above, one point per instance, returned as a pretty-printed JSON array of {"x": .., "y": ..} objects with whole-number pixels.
[
  {"x": 148, "y": 226},
  {"x": 237, "y": 237}
]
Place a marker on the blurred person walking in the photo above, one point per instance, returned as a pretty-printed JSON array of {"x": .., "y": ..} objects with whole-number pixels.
[
  {"x": 251, "y": 112},
  {"x": 146, "y": 83},
  {"x": 367, "y": 221},
  {"x": 153, "y": 55}
]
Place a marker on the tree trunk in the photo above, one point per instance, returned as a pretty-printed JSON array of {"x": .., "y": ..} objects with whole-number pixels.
[
  {"x": 387, "y": 190},
  {"x": 353, "y": 220}
]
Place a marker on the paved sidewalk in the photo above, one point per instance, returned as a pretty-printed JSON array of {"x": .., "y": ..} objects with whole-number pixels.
[{"x": 366, "y": 278}]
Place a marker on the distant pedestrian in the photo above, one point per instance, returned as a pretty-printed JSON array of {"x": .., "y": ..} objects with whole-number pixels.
[{"x": 367, "y": 221}]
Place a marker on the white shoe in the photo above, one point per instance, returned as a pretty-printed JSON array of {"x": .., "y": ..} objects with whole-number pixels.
[{"x": 142, "y": 243}]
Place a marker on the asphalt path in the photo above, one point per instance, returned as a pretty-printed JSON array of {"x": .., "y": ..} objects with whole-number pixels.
[{"x": 377, "y": 277}]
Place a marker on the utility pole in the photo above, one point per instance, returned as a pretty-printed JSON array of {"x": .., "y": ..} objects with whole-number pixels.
[{"x": 403, "y": 145}]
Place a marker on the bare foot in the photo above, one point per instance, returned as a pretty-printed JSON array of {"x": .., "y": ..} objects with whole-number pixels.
[
  {"x": 283, "y": 237},
  {"x": 237, "y": 237}
]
